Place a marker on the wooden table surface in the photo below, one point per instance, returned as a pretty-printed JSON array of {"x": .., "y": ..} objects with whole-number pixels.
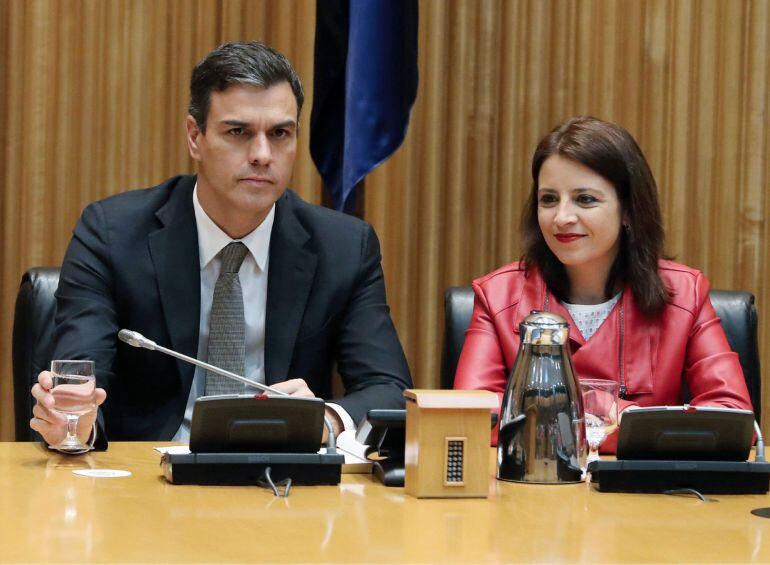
[{"x": 48, "y": 514}]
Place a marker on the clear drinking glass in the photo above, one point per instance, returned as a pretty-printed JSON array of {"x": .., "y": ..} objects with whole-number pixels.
[
  {"x": 73, "y": 386},
  {"x": 600, "y": 406}
]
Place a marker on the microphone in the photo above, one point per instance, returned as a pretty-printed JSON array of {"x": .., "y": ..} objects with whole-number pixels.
[{"x": 135, "y": 339}]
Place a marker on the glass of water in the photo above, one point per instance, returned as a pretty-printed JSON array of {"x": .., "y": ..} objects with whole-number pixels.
[
  {"x": 600, "y": 406},
  {"x": 73, "y": 391}
]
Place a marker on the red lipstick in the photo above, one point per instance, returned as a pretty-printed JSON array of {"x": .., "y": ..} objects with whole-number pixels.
[{"x": 568, "y": 237}]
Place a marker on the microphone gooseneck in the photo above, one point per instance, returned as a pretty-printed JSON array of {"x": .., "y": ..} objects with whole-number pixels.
[
  {"x": 759, "y": 453},
  {"x": 135, "y": 339}
]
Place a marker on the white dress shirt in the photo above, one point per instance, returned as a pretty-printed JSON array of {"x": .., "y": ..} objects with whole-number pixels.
[{"x": 253, "y": 278}]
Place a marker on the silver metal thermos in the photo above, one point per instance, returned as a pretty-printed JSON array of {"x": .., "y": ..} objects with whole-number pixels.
[{"x": 542, "y": 434}]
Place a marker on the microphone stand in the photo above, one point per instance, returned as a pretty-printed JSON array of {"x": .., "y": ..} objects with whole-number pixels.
[{"x": 135, "y": 339}]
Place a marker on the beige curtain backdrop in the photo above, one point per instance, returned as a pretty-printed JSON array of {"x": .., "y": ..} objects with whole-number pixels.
[{"x": 93, "y": 96}]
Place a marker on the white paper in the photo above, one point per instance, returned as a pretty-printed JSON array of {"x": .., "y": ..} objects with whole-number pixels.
[
  {"x": 174, "y": 449},
  {"x": 102, "y": 473}
]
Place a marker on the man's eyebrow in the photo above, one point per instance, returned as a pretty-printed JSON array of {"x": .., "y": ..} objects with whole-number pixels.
[
  {"x": 285, "y": 124},
  {"x": 236, "y": 123},
  {"x": 242, "y": 124}
]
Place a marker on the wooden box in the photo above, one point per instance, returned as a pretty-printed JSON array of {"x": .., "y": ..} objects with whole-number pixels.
[{"x": 447, "y": 443}]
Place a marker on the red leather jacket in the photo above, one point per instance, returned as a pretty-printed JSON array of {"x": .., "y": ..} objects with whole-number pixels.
[{"x": 685, "y": 342}]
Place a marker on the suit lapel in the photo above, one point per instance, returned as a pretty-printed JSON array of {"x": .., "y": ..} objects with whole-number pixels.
[
  {"x": 174, "y": 252},
  {"x": 290, "y": 277}
]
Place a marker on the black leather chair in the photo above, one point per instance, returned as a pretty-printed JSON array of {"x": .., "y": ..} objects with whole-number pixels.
[
  {"x": 33, "y": 325},
  {"x": 736, "y": 309}
]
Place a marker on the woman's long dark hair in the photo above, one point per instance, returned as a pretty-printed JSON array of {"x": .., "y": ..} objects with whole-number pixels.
[{"x": 610, "y": 151}]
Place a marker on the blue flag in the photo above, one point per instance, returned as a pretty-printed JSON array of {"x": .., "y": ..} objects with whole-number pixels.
[{"x": 365, "y": 83}]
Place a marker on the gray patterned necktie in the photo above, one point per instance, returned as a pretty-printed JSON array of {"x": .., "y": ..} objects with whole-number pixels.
[{"x": 227, "y": 342}]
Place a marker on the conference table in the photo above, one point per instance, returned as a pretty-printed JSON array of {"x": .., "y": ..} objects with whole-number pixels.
[{"x": 49, "y": 514}]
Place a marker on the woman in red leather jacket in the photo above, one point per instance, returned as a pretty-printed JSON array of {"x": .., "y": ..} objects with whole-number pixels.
[{"x": 593, "y": 248}]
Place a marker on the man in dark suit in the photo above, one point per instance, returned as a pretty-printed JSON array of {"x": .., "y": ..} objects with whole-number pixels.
[{"x": 153, "y": 260}]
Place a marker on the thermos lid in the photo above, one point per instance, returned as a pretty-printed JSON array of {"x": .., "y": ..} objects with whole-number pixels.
[{"x": 544, "y": 328}]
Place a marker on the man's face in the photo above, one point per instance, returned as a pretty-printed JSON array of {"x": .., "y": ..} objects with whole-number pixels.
[{"x": 245, "y": 158}]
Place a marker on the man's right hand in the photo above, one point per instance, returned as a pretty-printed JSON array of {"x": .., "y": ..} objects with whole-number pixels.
[{"x": 52, "y": 425}]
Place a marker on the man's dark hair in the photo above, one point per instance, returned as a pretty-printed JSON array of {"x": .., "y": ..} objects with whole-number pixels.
[
  {"x": 249, "y": 62},
  {"x": 610, "y": 151}
]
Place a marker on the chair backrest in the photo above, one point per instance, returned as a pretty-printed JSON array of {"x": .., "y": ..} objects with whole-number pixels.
[
  {"x": 735, "y": 308},
  {"x": 33, "y": 326},
  {"x": 738, "y": 314},
  {"x": 458, "y": 308}
]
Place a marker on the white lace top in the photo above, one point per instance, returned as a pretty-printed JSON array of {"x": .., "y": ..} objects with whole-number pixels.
[{"x": 588, "y": 317}]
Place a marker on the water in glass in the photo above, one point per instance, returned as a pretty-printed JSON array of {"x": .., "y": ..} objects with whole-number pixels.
[{"x": 73, "y": 387}]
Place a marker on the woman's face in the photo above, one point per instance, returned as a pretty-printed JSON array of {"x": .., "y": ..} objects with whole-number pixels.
[{"x": 579, "y": 214}]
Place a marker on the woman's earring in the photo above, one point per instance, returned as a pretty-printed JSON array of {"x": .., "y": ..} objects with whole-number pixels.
[{"x": 627, "y": 227}]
